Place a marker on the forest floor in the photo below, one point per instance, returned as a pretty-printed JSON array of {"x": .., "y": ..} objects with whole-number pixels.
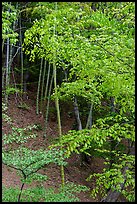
[{"x": 74, "y": 172}]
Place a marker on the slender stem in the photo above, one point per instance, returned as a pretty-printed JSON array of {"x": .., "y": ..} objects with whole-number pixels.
[
  {"x": 46, "y": 90},
  {"x": 56, "y": 98},
  {"x": 21, "y": 55},
  {"x": 57, "y": 101},
  {"x": 41, "y": 100},
  {"x": 47, "y": 107},
  {"x": 7, "y": 71},
  {"x": 38, "y": 90},
  {"x": 20, "y": 192},
  {"x": 10, "y": 63},
  {"x": 3, "y": 77}
]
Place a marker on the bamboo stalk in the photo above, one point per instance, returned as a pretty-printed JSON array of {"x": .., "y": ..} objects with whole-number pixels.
[
  {"x": 42, "y": 87},
  {"x": 56, "y": 98},
  {"x": 47, "y": 107},
  {"x": 7, "y": 71},
  {"x": 21, "y": 55},
  {"x": 46, "y": 89},
  {"x": 38, "y": 89},
  {"x": 59, "y": 120}
]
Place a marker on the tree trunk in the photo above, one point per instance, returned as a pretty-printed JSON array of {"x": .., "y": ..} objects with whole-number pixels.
[
  {"x": 42, "y": 87},
  {"x": 56, "y": 98},
  {"x": 38, "y": 90},
  {"x": 77, "y": 115},
  {"x": 83, "y": 156},
  {"x": 47, "y": 108},
  {"x": 10, "y": 62},
  {"x": 89, "y": 121},
  {"x": 26, "y": 77},
  {"x": 46, "y": 89},
  {"x": 21, "y": 56},
  {"x": 7, "y": 72}
]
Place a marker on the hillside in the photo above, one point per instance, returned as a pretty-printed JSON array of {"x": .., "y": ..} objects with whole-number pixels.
[{"x": 74, "y": 172}]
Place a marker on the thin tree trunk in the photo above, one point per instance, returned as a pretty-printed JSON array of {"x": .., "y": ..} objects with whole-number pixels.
[
  {"x": 57, "y": 101},
  {"x": 47, "y": 107},
  {"x": 89, "y": 121},
  {"x": 3, "y": 77},
  {"x": 38, "y": 90},
  {"x": 77, "y": 115},
  {"x": 11, "y": 53},
  {"x": 112, "y": 142},
  {"x": 26, "y": 77},
  {"x": 112, "y": 99},
  {"x": 59, "y": 120},
  {"x": 21, "y": 55},
  {"x": 3, "y": 45},
  {"x": 7, "y": 72},
  {"x": 56, "y": 98},
  {"x": 10, "y": 63},
  {"x": 83, "y": 157},
  {"x": 46, "y": 90},
  {"x": 20, "y": 192},
  {"x": 42, "y": 87}
]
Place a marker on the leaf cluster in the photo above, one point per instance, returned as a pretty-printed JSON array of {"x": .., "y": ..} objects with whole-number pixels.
[
  {"x": 114, "y": 178},
  {"x": 5, "y": 116},
  {"x": 30, "y": 161},
  {"x": 98, "y": 139},
  {"x": 9, "y": 15},
  {"x": 19, "y": 135}
]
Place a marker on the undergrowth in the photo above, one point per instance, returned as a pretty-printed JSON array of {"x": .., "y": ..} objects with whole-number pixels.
[
  {"x": 28, "y": 162},
  {"x": 40, "y": 194}
]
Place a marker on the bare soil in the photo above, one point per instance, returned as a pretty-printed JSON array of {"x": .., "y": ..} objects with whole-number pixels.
[{"x": 74, "y": 172}]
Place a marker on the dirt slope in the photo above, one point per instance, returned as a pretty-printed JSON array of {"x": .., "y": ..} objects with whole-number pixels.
[{"x": 73, "y": 171}]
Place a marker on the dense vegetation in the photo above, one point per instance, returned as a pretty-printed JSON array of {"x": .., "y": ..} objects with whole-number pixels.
[{"x": 81, "y": 53}]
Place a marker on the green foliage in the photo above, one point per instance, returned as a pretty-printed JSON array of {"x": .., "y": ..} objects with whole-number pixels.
[
  {"x": 29, "y": 161},
  {"x": 12, "y": 90},
  {"x": 39, "y": 194},
  {"x": 19, "y": 135},
  {"x": 9, "y": 15},
  {"x": 113, "y": 178},
  {"x": 118, "y": 127},
  {"x": 95, "y": 44},
  {"x": 5, "y": 117},
  {"x": 34, "y": 177},
  {"x": 81, "y": 141},
  {"x": 97, "y": 140},
  {"x": 9, "y": 194}
]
